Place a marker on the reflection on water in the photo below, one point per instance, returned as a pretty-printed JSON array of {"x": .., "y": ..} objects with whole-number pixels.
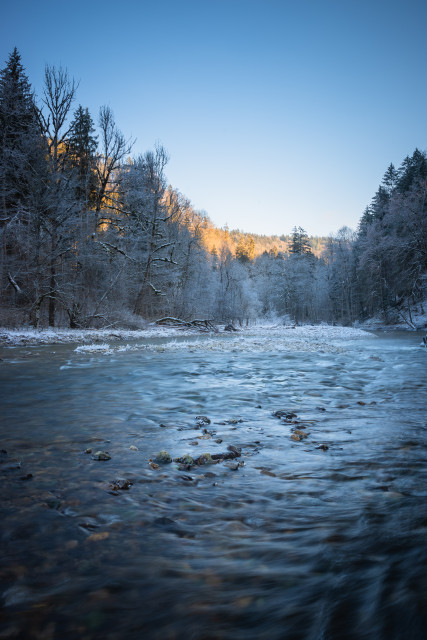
[{"x": 300, "y": 542}]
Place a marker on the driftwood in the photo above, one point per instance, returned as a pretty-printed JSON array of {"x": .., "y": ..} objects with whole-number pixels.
[{"x": 202, "y": 325}]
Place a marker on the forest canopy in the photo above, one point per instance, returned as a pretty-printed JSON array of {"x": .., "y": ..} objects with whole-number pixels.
[{"x": 92, "y": 235}]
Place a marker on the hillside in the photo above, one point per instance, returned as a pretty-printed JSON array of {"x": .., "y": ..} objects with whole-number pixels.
[{"x": 215, "y": 239}]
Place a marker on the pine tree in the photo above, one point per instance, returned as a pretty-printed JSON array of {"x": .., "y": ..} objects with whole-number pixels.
[
  {"x": 300, "y": 243},
  {"x": 412, "y": 169},
  {"x": 19, "y": 134},
  {"x": 81, "y": 147},
  {"x": 380, "y": 203},
  {"x": 390, "y": 179},
  {"x": 17, "y": 113}
]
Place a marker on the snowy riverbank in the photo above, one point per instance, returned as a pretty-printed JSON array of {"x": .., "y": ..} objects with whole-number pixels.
[{"x": 267, "y": 337}]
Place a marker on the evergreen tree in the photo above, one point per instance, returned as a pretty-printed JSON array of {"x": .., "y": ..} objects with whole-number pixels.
[
  {"x": 81, "y": 146},
  {"x": 380, "y": 203},
  {"x": 17, "y": 113},
  {"x": 300, "y": 243},
  {"x": 412, "y": 169},
  {"x": 19, "y": 134},
  {"x": 365, "y": 222},
  {"x": 390, "y": 179}
]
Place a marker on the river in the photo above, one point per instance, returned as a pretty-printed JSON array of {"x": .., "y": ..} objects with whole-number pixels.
[{"x": 317, "y": 531}]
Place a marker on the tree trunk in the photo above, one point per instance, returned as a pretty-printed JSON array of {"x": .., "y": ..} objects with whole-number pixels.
[{"x": 52, "y": 286}]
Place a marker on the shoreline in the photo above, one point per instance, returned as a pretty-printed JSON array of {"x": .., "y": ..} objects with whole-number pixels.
[
  {"x": 97, "y": 339},
  {"x": 267, "y": 337}
]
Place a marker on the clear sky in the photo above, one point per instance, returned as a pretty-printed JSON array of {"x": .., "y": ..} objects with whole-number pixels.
[{"x": 275, "y": 113}]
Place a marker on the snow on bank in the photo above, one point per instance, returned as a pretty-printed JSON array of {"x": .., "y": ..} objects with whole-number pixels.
[
  {"x": 417, "y": 321},
  {"x": 270, "y": 338},
  {"x": 19, "y": 337},
  {"x": 98, "y": 340}
]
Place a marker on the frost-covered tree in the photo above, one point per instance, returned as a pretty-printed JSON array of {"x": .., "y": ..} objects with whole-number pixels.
[
  {"x": 341, "y": 277},
  {"x": 146, "y": 218},
  {"x": 59, "y": 205},
  {"x": 300, "y": 244},
  {"x": 390, "y": 251}
]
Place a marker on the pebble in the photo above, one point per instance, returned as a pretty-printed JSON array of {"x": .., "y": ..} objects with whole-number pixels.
[
  {"x": 323, "y": 447},
  {"x": 122, "y": 485},
  {"x": 282, "y": 413}
]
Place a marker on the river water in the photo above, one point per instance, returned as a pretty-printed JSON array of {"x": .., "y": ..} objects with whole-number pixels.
[{"x": 296, "y": 542}]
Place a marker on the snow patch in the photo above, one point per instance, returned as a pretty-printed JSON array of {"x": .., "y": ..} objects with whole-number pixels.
[
  {"x": 16, "y": 337},
  {"x": 94, "y": 348}
]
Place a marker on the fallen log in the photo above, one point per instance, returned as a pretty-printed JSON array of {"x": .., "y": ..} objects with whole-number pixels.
[{"x": 202, "y": 325}]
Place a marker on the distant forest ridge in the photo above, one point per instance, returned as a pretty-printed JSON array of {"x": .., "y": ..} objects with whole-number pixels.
[{"x": 216, "y": 238}]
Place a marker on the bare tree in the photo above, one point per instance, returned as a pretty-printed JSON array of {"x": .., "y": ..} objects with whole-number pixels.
[
  {"x": 148, "y": 223},
  {"x": 58, "y": 203},
  {"x": 58, "y": 96},
  {"x": 114, "y": 149}
]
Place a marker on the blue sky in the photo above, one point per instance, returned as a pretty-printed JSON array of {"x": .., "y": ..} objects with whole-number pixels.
[{"x": 275, "y": 113}]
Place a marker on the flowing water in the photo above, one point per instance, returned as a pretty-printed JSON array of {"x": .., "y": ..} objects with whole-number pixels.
[{"x": 297, "y": 542}]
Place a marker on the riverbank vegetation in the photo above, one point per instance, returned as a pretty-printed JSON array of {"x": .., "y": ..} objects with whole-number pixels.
[{"x": 92, "y": 236}]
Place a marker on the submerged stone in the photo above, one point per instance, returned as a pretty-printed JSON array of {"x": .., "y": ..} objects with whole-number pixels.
[
  {"x": 101, "y": 455},
  {"x": 284, "y": 413},
  {"x": 301, "y": 434},
  {"x": 185, "y": 460},
  {"x": 121, "y": 485},
  {"x": 231, "y": 464},
  {"x": 205, "y": 458},
  {"x": 202, "y": 420}
]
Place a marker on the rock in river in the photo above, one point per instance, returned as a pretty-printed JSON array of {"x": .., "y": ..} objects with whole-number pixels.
[
  {"x": 163, "y": 457},
  {"x": 101, "y": 455},
  {"x": 185, "y": 460}
]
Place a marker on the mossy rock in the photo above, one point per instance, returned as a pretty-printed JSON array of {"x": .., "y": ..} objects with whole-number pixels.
[
  {"x": 163, "y": 457},
  {"x": 205, "y": 458}
]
